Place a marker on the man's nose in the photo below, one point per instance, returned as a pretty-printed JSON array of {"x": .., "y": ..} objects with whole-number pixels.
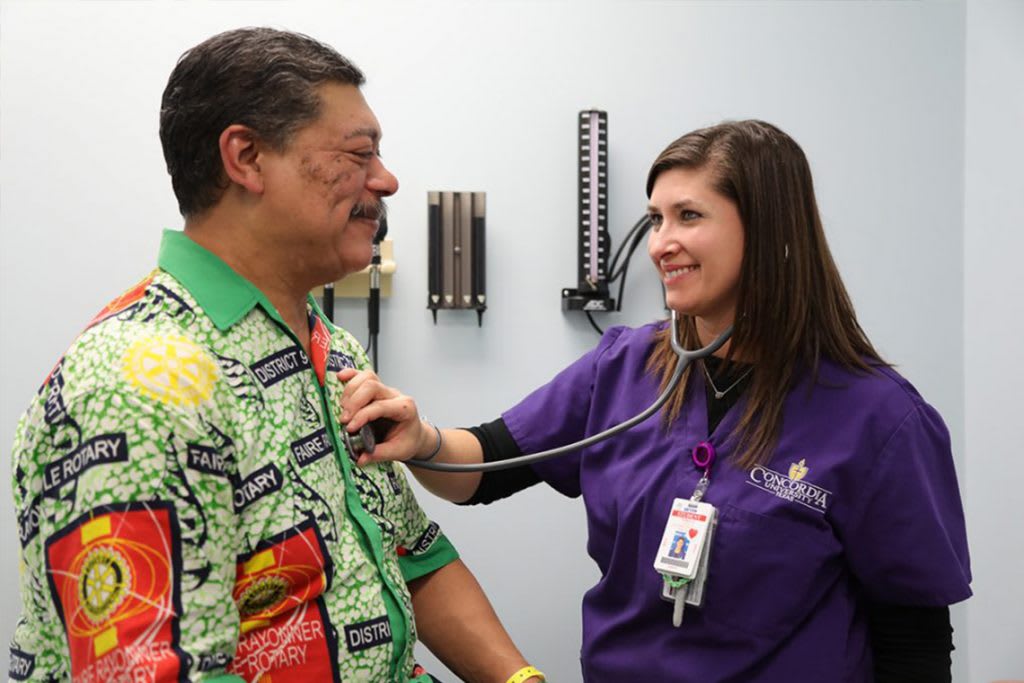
[{"x": 381, "y": 181}]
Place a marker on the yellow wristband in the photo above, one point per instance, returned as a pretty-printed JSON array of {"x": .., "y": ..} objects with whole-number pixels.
[{"x": 524, "y": 674}]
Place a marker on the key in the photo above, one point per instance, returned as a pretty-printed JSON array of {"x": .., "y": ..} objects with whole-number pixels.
[{"x": 680, "y": 604}]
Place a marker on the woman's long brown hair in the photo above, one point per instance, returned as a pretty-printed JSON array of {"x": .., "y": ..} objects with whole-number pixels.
[{"x": 792, "y": 309}]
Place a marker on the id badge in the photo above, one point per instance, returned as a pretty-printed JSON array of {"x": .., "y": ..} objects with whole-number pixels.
[
  {"x": 695, "y": 588},
  {"x": 685, "y": 538}
]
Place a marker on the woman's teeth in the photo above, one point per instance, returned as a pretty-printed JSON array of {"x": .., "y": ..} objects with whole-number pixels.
[{"x": 676, "y": 272}]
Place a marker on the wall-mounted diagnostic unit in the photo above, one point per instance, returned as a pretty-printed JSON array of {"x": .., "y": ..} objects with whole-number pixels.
[
  {"x": 456, "y": 252},
  {"x": 591, "y": 293}
]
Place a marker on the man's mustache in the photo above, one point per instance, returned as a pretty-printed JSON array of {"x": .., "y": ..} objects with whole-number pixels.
[{"x": 375, "y": 210}]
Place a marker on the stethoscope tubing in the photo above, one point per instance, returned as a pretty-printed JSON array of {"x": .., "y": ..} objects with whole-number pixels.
[{"x": 685, "y": 358}]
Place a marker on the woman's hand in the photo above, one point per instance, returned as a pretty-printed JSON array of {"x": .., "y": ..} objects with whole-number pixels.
[{"x": 366, "y": 399}]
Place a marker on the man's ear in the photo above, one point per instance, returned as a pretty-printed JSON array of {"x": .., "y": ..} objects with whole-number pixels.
[{"x": 239, "y": 152}]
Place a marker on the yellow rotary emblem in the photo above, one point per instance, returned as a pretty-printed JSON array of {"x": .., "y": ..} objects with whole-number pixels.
[
  {"x": 103, "y": 584},
  {"x": 170, "y": 370}
]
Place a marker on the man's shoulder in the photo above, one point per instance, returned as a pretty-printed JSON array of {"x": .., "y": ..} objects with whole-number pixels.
[
  {"x": 156, "y": 298},
  {"x": 149, "y": 325}
]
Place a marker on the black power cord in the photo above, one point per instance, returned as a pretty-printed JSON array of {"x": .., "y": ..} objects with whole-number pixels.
[{"x": 631, "y": 242}]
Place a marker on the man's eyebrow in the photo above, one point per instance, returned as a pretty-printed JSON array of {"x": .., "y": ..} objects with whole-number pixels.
[{"x": 368, "y": 132}]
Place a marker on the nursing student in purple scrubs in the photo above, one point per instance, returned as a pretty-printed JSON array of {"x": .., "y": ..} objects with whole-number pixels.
[{"x": 840, "y": 538}]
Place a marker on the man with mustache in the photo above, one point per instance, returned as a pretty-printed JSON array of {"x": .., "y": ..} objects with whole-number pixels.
[{"x": 187, "y": 507}]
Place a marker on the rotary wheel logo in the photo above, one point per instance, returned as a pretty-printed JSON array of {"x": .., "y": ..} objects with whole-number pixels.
[
  {"x": 170, "y": 370},
  {"x": 103, "y": 584},
  {"x": 263, "y": 594}
]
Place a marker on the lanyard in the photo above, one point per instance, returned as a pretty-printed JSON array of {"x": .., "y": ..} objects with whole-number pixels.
[{"x": 703, "y": 456}]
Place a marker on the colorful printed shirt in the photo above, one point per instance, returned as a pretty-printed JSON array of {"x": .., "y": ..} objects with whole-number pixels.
[{"x": 188, "y": 511}]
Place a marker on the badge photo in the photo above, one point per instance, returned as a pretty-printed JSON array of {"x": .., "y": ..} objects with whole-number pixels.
[{"x": 685, "y": 536}]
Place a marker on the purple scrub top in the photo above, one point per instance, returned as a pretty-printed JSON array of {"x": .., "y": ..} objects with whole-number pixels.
[{"x": 858, "y": 502}]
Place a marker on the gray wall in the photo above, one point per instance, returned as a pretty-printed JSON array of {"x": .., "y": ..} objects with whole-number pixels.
[
  {"x": 484, "y": 96},
  {"x": 993, "y": 334}
]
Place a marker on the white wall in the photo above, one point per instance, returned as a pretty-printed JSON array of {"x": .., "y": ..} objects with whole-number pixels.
[
  {"x": 484, "y": 96},
  {"x": 994, "y": 334}
]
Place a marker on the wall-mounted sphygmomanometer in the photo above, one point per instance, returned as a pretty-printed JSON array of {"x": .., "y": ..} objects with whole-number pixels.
[
  {"x": 591, "y": 293},
  {"x": 456, "y": 252},
  {"x": 595, "y": 271}
]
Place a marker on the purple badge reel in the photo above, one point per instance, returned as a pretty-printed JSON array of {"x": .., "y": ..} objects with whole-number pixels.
[{"x": 703, "y": 456}]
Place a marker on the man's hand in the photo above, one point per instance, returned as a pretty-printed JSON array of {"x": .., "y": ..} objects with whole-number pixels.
[{"x": 367, "y": 399}]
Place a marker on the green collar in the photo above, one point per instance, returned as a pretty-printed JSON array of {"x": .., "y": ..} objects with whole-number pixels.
[{"x": 224, "y": 295}]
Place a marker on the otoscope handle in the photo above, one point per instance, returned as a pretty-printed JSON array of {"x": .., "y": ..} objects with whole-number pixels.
[
  {"x": 328, "y": 301},
  {"x": 373, "y": 311}
]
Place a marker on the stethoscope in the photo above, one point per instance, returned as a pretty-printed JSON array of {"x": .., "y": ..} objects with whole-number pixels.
[{"x": 685, "y": 358}]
